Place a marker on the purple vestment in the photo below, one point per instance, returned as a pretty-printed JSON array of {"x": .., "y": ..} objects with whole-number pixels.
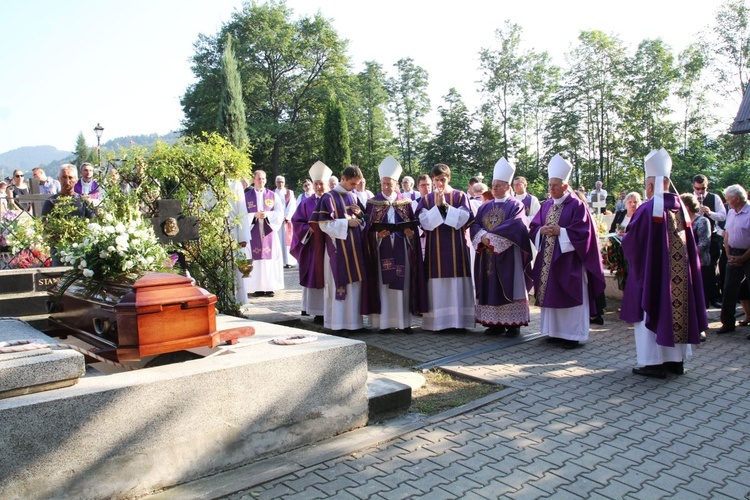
[
  {"x": 93, "y": 193},
  {"x": 494, "y": 272},
  {"x": 558, "y": 280},
  {"x": 649, "y": 286},
  {"x": 262, "y": 233},
  {"x": 446, "y": 251},
  {"x": 526, "y": 203},
  {"x": 347, "y": 257},
  {"x": 309, "y": 253},
  {"x": 398, "y": 257}
]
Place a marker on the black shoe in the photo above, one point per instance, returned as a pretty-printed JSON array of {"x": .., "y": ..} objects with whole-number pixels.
[
  {"x": 554, "y": 340},
  {"x": 259, "y": 294},
  {"x": 269, "y": 294},
  {"x": 384, "y": 330},
  {"x": 653, "y": 371},
  {"x": 676, "y": 367},
  {"x": 597, "y": 320},
  {"x": 495, "y": 330},
  {"x": 407, "y": 331},
  {"x": 318, "y": 320},
  {"x": 570, "y": 344},
  {"x": 513, "y": 331},
  {"x": 725, "y": 329},
  {"x": 716, "y": 303},
  {"x": 304, "y": 313},
  {"x": 288, "y": 266}
]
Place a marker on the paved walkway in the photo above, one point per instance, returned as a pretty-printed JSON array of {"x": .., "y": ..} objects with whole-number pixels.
[{"x": 570, "y": 424}]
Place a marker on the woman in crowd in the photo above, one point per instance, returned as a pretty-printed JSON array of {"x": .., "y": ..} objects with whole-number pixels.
[
  {"x": 702, "y": 232},
  {"x": 622, "y": 217}
]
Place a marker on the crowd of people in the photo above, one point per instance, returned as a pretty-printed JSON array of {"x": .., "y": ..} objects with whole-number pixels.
[
  {"x": 423, "y": 248},
  {"x": 458, "y": 259}
]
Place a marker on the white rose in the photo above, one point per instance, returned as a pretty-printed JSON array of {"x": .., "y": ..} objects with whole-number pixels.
[{"x": 88, "y": 273}]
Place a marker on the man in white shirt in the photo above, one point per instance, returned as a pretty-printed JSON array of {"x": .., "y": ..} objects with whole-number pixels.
[
  {"x": 47, "y": 185},
  {"x": 407, "y": 183},
  {"x": 530, "y": 202},
  {"x": 598, "y": 193}
]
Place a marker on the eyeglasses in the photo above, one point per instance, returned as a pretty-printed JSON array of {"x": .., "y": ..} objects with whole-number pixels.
[{"x": 18, "y": 175}]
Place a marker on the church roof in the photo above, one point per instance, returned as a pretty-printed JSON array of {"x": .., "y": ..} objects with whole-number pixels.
[{"x": 741, "y": 124}]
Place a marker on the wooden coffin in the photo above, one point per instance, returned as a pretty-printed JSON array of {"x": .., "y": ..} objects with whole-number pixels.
[{"x": 159, "y": 313}]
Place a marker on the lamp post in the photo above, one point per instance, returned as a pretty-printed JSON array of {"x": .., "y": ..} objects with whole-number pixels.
[{"x": 98, "y": 130}]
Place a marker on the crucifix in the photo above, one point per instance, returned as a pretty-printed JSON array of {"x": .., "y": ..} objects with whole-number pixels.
[{"x": 170, "y": 225}]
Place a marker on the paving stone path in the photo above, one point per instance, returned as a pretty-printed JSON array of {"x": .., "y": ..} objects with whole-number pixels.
[{"x": 570, "y": 424}]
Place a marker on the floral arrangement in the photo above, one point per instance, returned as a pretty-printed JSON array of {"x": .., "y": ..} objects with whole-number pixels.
[
  {"x": 614, "y": 259},
  {"x": 113, "y": 250},
  {"x": 22, "y": 234}
]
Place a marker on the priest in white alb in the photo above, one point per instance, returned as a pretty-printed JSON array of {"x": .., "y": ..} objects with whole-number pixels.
[{"x": 265, "y": 214}]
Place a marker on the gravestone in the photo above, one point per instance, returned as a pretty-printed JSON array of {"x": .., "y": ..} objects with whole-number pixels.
[{"x": 39, "y": 369}]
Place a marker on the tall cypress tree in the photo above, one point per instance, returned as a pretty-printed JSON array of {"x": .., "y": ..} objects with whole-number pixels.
[
  {"x": 336, "y": 152},
  {"x": 232, "y": 121}
]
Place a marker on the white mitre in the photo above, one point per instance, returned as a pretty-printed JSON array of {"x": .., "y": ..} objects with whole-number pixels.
[
  {"x": 390, "y": 168},
  {"x": 320, "y": 172},
  {"x": 559, "y": 168},
  {"x": 503, "y": 171},
  {"x": 658, "y": 164}
]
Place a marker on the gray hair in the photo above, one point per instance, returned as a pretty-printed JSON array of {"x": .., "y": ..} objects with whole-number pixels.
[
  {"x": 68, "y": 166},
  {"x": 633, "y": 194},
  {"x": 736, "y": 191}
]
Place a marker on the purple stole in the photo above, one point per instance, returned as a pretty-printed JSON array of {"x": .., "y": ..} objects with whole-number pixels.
[
  {"x": 392, "y": 253},
  {"x": 526, "y": 203},
  {"x": 261, "y": 230},
  {"x": 309, "y": 255},
  {"x": 494, "y": 273},
  {"x": 650, "y": 285},
  {"x": 558, "y": 278},
  {"x": 94, "y": 193},
  {"x": 446, "y": 251},
  {"x": 346, "y": 256}
]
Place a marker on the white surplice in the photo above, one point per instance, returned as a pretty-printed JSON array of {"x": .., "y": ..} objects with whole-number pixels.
[{"x": 267, "y": 274}]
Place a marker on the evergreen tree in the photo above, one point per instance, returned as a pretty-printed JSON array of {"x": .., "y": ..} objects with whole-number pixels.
[
  {"x": 452, "y": 143},
  {"x": 286, "y": 69},
  {"x": 336, "y": 137},
  {"x": 232, "y": 121},
  {"x": 82, "y": 151}
]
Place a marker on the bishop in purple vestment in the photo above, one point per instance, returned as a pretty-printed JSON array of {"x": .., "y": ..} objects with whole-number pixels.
[
  {"x": 568, "y": 272},
  {"x": 308, "y": 245},
  {"x": 395, "y": 254},
  {"x": 663, "y": 295},
  {"x": 502, "y": 266}
]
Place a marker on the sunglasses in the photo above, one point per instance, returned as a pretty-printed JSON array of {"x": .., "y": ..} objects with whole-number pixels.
[{"x": 18, "y": 175}]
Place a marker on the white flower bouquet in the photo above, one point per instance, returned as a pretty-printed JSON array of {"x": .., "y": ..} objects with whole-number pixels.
[{"x": 114, "y": 250}]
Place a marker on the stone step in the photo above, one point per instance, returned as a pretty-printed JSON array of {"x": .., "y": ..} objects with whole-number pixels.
[
  {"x": 387, "y": 397},
  {"x": 20, "y": 305}
]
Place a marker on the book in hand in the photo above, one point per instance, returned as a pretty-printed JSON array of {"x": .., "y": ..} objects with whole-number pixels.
[{"x": 395, "y": 227}]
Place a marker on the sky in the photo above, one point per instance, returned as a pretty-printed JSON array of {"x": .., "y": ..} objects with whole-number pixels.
[{"x": 68, "y": 66}]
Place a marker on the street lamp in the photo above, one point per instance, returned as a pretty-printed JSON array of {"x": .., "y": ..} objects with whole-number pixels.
[{"x": 98, "y": 130}]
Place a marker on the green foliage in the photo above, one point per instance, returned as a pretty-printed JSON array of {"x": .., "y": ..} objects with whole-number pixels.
[
  {"x": 285, "y": 67},
  {"x": 336, "y": 137},
  {"x": 452, "y": 143},
  {"x": 61, "y": 229},
  {"x": 409, "y": 104},
  {"x": 198, "y": 173},
  {"x": 82, "y": 152},
  {"x": 232, "y": 123}
]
